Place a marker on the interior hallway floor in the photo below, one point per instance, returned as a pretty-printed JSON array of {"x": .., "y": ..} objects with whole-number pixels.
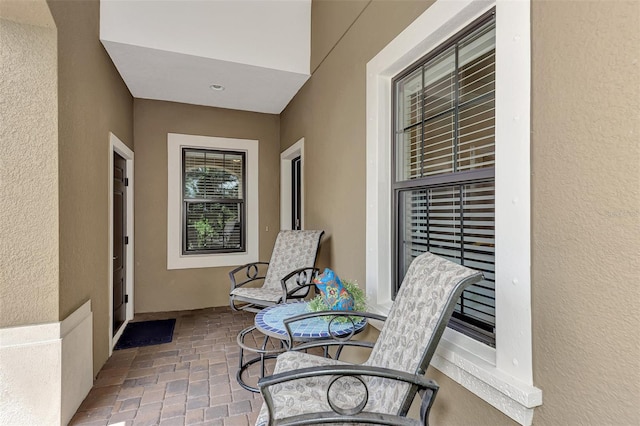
[{"x": 190, "y": 381}]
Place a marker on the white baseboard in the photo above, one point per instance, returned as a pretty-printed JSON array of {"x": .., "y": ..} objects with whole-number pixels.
[
  {"x": 46, "y": 370},
  {"x": 77, "y": 360}
]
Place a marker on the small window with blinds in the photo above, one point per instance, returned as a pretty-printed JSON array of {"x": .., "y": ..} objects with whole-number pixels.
[
  {"x": 444, "y": 156},
  {"x": 213, "y": 201}
]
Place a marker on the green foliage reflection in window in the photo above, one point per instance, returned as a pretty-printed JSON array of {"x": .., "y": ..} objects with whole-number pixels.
[{"x": 213, "y": 199}]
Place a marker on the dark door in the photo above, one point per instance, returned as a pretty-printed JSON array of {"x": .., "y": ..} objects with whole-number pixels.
[
  {"x": 119, "y": 236},
  {"x": 296, "y": 193}
]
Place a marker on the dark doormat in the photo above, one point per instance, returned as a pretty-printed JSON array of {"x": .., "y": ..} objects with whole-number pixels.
[{"x": 146, "y": 333}]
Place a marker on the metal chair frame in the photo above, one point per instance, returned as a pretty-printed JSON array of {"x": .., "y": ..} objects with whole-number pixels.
[
  {"x": 418, "y": 383},
  {"x": 299, "y": 280}
]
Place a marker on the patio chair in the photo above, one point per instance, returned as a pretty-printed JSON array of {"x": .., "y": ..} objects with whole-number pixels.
[
  {"x": 308, "y": 389},
  {"x": 288, "y": 274}
]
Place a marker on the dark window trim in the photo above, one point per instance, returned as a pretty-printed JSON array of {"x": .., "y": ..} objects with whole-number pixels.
[
  {"x": 296, "y": 193},
  {"x": 241, "y": 201},
  {"x": 487, "y": 17},
  {"x": 433, "y": 181},
  {"x": 447, "y": 179}
]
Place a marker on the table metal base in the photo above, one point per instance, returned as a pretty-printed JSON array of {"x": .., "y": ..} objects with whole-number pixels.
[{"x": 263, "y": 355}]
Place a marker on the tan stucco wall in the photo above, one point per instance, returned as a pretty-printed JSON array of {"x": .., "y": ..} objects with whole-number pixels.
[
  {"x": 585, "y": 194},
  {"x": 586, "y": 211},
  {"x": 329, "y": 112},
  {"x": 28, "y": 166},
  {"x": 93, "y": 101},
  {"x": 33, "y": 12},
  {"x": 329, "y": 22},
  {"x": 159, "y": 289}
]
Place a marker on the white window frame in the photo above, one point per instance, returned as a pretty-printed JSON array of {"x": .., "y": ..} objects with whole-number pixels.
[
  {"x": 175, "y": 258},
  {"x": 502, "y": 376}
]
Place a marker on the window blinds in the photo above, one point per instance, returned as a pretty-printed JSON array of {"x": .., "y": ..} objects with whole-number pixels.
[
  {"x": 213, "y": 174},
  {"x": 213, "y": 201},
  {"x": 444, "y": 159}
]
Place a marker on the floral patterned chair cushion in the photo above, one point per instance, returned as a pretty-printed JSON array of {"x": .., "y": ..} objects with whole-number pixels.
[{"x": 293, "y": 251}]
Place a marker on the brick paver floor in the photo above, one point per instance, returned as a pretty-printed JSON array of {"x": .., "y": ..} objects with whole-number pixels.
[{"x": 191, "y": 380}]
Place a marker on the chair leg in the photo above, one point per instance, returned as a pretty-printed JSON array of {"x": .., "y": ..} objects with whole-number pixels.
[
  {"x": 264, "y": 347},
  {"x": 428, "y": 398}
]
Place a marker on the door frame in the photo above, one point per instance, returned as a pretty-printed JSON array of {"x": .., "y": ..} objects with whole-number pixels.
[
  {"x": 286, "y": 158},
  {"x": 117, "y": 146}
]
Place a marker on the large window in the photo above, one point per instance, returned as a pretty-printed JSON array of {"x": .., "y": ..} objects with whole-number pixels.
[
  {"x": 213, "y": 201},
  {"x": 444, "y": 167},
  {"x": 502, "y": 374}
]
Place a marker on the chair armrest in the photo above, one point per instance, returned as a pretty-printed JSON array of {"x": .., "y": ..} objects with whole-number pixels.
[
  {"x": 303, "y": 278},
  {"x": 329, "y": 417},
  {"x": 426, "y": 387},
  {"x": 341, "y": 342},
  {"x": 251, "y": 271}
]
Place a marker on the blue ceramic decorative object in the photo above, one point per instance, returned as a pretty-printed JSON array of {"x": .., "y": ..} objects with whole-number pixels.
[{"x": 334, "y": 294}]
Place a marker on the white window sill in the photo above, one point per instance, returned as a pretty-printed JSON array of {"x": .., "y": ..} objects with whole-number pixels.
[
  {"x": 194, "y": 261},
  {"x": 512, "y": 397},
  {"x": 472, "y": 365}
]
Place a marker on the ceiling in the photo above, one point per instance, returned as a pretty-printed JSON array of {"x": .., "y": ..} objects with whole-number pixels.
[{"x": 175, "y": 50}]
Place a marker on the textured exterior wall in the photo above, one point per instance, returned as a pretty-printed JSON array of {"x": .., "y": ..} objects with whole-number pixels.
[
  {"x": 28, "y": 174},
  {"x": 93, "y": 100},
  {"x": 34, "y": 12},
  {"x": 586, "y": 211},
  {"x": 159, "y": 289}
]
